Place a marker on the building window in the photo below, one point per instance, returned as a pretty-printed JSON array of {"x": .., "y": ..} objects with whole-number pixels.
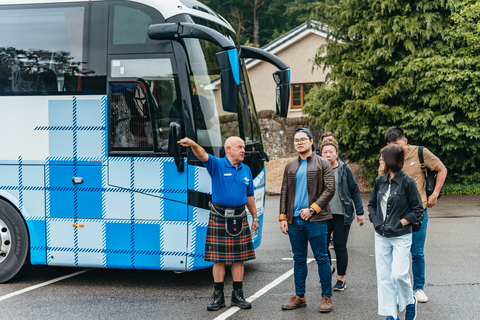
[{"x": 298, "y": 93}]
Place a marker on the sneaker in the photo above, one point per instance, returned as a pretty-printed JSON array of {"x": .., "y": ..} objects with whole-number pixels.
[
  {"x": 218, "y": 301},
  {"x": 339, "y": 286},
  {"x": 295, "y": 302},
  {"x": 420, "y": 295},
  {"x": 392, "y": 318},
  {"x": 326, "y": 305},
  {"x": 239, "y": 300},
  {"x": 411, "y": 310}
]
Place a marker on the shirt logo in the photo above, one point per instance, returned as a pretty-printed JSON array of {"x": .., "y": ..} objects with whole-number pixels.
[
  {"x": 412, "y": 163},
  {"x": 227, "y": 174},
  {"x": 247, "y": 181}
]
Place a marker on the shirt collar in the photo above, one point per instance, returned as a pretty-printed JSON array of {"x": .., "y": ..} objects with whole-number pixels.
[
  {"x": 308, "y": 158},
  {"x": 395, "y": 179},
  {"x": 228, "y": 164}
]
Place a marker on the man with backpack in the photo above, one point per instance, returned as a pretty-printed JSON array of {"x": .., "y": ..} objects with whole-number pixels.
[{"x": 413, "y": 168}]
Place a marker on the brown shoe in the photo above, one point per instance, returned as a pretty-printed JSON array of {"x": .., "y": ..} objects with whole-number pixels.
[
  {"x": 326, "y": 305},
  {"x": 295, "y": 302}
]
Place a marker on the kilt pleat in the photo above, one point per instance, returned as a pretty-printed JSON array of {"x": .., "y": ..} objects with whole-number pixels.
[{"x": 221, "y": 247}]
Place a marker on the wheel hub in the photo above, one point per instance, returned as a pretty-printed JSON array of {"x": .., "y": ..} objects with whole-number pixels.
[{"x": 6, "y": 241}]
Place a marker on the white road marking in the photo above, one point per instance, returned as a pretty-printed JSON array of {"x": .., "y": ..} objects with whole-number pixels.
[
  {"x": 260, "y": 292},
  {"x": 291, "y": 259},
  {"x": 19, "y": 292}
]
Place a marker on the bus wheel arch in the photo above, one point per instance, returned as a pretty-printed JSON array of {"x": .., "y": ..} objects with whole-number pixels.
[{"x": 14, "y": 241}]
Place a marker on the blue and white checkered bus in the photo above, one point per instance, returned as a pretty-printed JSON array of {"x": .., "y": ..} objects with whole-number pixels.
[{"x": 94, "y": 96}]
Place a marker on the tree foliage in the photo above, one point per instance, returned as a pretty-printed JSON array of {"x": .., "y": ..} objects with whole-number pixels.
[
  {"x": 273, "y": 17},
  {"x": 411, "y": 63}
]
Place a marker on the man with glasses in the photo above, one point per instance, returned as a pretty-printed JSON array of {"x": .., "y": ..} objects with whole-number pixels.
[{"x": 307, "y": 188}]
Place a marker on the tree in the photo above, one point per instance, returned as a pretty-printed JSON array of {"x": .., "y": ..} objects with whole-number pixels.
[
  {"x": 255, "y": 5},
  {"x": 304, "y": 10},
  {"x": 409, "y": 63},
  {"x": 256, "y": 21}
]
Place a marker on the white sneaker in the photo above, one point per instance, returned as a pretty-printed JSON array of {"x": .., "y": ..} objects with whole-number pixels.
[{"x": 421, "y": 296}]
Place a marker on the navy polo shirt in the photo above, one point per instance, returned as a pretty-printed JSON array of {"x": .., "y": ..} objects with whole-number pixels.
[{"x": 230, "y": 186}]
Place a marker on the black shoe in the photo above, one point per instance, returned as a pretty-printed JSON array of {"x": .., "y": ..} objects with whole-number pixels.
[
  {"x": 239, "y": 301},
  {"x": 218, "y": 301},
  {"x": 339, "y": 286}
]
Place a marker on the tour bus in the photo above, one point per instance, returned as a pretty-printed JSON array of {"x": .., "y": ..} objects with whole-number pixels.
[{"x": 94, "y": 96}]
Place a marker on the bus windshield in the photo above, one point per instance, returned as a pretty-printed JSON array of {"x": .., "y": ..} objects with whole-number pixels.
[{"x": 213, "y": 124}]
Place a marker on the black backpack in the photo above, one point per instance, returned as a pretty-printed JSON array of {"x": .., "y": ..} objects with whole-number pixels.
[{"x": 430, "y": 176}]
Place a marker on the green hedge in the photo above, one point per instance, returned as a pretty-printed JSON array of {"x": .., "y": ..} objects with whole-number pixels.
[{"x": 457, "y": 188}]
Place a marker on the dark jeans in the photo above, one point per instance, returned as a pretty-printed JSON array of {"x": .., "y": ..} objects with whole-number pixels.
[
  {"x": 418, "y": 254},
  {"x": 302, "y": 232},
  {"x": 340, "y": 238}
]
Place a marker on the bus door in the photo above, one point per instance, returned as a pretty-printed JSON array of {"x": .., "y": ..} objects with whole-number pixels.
[
  {"x": 148, "y": 198},
  {"x": 74, "y": 180}
]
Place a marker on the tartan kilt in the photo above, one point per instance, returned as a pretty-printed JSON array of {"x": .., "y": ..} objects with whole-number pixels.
[{"x": 221, "y": 247}]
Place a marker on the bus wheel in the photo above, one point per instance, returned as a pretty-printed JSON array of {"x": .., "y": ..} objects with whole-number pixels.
[{"x": 13, "y": 241}]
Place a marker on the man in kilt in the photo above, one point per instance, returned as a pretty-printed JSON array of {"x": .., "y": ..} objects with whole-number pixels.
[{"x": 232, "y": 190}]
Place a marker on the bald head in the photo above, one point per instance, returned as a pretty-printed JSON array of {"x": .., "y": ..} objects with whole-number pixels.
[
  {"x": 232, "y": 140},
  {"x": 235, "y": 150}
]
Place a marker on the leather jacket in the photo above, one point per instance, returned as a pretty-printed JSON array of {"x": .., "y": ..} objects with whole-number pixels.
[
  {"x": 404, "y": 202},
  {"x": 320, "y": 186}
]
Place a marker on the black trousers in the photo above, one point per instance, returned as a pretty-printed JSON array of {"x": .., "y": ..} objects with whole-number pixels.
[{"x": 340, "y": 238}]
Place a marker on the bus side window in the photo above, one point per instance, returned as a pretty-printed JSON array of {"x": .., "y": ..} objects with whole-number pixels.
[
  {"x": 131, "y": 126},
  {"x": 152, "y": 99},
  {"x": 52, "y": 50}
]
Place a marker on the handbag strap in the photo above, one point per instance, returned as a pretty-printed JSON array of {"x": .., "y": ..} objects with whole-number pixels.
[{"x": 422, "y": 164}]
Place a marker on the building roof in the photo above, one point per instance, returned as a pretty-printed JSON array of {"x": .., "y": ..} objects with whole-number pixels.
[{"x": 290, "y": 38}]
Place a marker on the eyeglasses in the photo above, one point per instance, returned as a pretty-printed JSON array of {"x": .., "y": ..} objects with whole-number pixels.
[{"x": 302, "y": 140}]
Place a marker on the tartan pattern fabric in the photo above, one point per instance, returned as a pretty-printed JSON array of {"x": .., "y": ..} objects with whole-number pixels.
[{"x": 221, "y": 247}]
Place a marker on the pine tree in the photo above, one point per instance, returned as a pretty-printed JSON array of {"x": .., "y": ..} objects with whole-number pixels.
[{"x": 409, "y": 63}]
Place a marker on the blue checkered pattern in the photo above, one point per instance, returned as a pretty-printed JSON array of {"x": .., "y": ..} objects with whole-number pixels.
[{"x": 130, "y": 212}]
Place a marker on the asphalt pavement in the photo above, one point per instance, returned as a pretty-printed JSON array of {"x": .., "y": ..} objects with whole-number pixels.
[{"x": 453, "y": 280}]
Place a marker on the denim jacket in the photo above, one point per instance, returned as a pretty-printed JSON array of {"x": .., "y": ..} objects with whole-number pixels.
[
  {"x": 348, "y": 190},
  {"x": 404, "y": 203}
]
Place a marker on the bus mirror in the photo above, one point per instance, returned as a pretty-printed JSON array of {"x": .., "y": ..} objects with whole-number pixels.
[
  {"x": 282, "y": 79},
  {"x": 174, "y": 149},
  {"x": 230, "y": 78}
]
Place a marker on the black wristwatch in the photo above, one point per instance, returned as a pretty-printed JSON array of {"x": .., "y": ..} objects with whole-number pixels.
[{"x": 311, "y": 210}]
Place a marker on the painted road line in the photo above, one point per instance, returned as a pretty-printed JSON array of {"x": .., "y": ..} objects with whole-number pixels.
[
  {"x": 259, "y": 293},
  {"x": 291, "y": 259},
  {"x": 19, "y": 292}
]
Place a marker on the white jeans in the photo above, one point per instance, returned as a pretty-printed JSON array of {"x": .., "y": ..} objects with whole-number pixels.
[{"x": 392, "y": 258}]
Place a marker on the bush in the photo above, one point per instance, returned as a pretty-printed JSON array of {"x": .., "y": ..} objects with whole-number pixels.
[{"x": 457, "y": 188}]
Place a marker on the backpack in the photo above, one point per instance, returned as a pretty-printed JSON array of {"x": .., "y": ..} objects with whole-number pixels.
[{"x": 430, "y": 176}]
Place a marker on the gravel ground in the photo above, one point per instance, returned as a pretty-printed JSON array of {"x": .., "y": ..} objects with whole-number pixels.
[{"x": 274, "y": 175}]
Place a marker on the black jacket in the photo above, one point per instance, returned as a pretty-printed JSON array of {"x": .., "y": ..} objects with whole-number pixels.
[
  {"x": 404, "y": 203},
  {"x": 348, "y": 190}
]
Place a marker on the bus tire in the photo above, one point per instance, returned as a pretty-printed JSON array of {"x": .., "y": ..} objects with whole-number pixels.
[{"x": 13, "y": 241}]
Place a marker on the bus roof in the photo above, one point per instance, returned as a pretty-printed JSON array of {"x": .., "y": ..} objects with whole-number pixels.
[{"x": 168, "y": 8}]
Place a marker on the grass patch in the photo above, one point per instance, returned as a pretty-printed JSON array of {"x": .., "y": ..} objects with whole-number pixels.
[{"x": 457, "y": 188}]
